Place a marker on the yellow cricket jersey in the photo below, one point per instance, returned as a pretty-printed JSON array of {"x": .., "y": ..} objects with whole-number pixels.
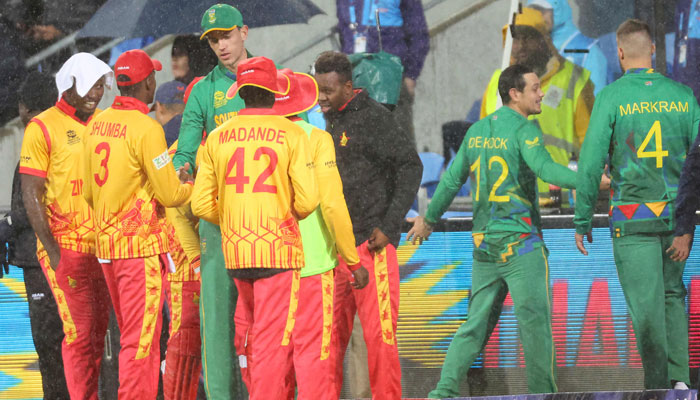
[
  {"x": 183, "y": 242},
  {"x": 128, "y": 180},
  {"x": 183, "y": 239},
  {"x": 332, "y": 201},
  {"x": 52, "y": 148},
  {"x": 256, "y": 179}
]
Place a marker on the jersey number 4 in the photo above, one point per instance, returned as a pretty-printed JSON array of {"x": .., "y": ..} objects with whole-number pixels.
[
  {"x": 659, "y": 153},
  {"x": 240, "y": 179},
  {"x": 476, "y": 168}
]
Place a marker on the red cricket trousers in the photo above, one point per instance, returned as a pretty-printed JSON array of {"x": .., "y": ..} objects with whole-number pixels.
[
  {"x": 136, "y": 288},
  {"x": 314, "y": 348},
  {"x": 269, "y": 306},
  {"x": 183, "y": 360},
  {"x": 378, "y": 308},
  {"x": 312, "y": 366},
  {"x": 82, "y": 299}
]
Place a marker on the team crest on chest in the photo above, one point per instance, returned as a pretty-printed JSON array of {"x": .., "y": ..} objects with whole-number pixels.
[
  {"x": 72, "y": 137},
  {"x": 344, "y": 140}
]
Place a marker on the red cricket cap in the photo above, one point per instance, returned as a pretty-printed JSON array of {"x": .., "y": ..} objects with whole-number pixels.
[
  {"x": 259, "y": 72},
  {"x": 302, "y": 95},
  {"x": 133, "y": 66}
]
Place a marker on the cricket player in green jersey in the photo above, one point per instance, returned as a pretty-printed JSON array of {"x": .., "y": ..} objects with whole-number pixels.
[
  {"x": 207, "y": 108},
  {"x": 646, "y": 124},
  {"x": 504, "y": 154}
]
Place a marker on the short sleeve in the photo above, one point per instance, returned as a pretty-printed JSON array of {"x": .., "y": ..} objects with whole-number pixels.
[{"x": 36, "y": 148}]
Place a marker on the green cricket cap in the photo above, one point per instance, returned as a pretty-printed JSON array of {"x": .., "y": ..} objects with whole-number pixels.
[{"x": 221, "y": 17}]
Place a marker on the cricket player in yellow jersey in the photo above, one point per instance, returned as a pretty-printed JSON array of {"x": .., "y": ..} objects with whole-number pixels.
[
  {"x": 129, "y": 179},
  {"x": 51, "y": 168},
  {"x": 256, "y": 180},
  {"x": 326, "y": 233},
  {"x": 183, "y": 359}
]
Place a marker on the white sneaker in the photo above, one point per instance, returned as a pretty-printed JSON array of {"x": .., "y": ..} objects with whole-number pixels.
[{"x": 680, "y": 386}]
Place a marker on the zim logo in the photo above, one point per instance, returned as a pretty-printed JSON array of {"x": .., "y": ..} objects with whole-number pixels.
[{"x": 72, "y": 137}]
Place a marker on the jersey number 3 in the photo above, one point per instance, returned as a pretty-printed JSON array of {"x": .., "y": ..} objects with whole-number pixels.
[
  {"x": 240, "y": 179},
  {"x": 101, "y": 177},
  {"x": 659, "y": 153}
]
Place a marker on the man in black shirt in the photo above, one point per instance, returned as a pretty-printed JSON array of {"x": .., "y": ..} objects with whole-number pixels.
[
  {"x": 381, "y": 173},
  {"x": 37, "y": 93}
]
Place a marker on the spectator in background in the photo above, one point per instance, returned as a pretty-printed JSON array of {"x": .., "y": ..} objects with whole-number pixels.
[
  {"x": 568, "y": 40},
  {"x": 686, "y": 68},
  {"x": 404, "y": 34},
  {"x": 568, "y": 91},
  {"x": 191, "y": 57},
  {"x": 11, "y": 69},
  {"x": 168, "y": 106},
  {"x": 36, "y": 94}
]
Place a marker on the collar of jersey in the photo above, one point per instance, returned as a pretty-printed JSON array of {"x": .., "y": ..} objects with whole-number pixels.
[
  {"x": 355, "y": 93},
  {"x": 69, "y": 110},
  {"x": 130, "y": 103},
  {"x": 257, "y": 111},
  {"x": 640, "y": 71}
]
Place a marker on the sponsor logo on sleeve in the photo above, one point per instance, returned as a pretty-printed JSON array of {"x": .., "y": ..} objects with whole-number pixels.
[
  {"x": 532, "y": 143},
  {"x": 162, "y": 160}
]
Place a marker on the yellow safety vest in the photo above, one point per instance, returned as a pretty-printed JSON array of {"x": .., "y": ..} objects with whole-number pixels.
[{"x": 561, "y": 93}]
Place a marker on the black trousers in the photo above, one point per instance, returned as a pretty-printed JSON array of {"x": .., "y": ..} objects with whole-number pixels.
[{"x": 47, "y": 332}]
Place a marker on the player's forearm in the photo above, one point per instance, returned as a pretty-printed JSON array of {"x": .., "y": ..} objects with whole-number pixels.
[
  {"x": 185, "y": 229},
  {"x": 177, "y": 197},
  {"x": 558, "y": 175},
  {"x": 190, "y": 136},
  {"x": 337, "y": 219},
  {"x": 452, "y": 180},
  {"x": 407, "y": 178},
  {"x": 32, "y": 193},
  {"x": 206, "y": 208},
  {"x": 587, "y": 184}
]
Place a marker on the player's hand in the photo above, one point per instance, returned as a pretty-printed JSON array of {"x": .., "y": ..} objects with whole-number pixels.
[
  {"x": 680, "y": 248},
  {"x": 579, "y": 242},
  {"x": 377, "y": 240},
  {"x": 420, "y": 230},
  {"x": 183, "y": 175},
  {"x": 361, "y": 278},
  {"x": 604, "y": 182}
]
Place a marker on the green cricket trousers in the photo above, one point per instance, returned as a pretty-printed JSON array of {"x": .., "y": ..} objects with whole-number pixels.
[
  {"x": 655, "y": 295},
  {"x": 527, "y": 278},
  {"x": 217, "y": 305}
]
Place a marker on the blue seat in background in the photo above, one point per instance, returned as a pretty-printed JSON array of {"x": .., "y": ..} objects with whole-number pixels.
[{"x": 432, "y": 169}]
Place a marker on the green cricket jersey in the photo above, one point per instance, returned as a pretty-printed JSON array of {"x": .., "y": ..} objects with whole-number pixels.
[
  {"x": 207, "y": 108},
  {"x": 646, "y": 124},
  {"x": 503, "y": 154}
]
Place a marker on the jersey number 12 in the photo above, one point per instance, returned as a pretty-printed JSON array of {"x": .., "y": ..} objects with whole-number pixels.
[{"x": 476, "y": 168}]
